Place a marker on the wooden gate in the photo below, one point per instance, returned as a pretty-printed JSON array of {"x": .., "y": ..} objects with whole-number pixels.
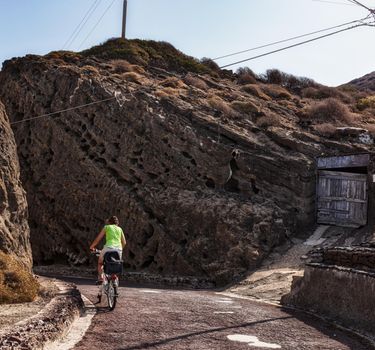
[{"x": 342, "y": 198}]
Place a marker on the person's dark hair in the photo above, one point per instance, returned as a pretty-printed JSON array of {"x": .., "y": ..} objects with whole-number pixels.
[{"x": 113, "y": 220}]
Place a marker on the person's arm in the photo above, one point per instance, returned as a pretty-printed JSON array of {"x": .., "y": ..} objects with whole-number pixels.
[
  {"x": 98, "y": 238},
  {"x": 123, "y": 240}
]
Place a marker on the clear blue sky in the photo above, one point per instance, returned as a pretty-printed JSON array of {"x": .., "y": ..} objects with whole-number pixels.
[{"x": 202, "y": 28}]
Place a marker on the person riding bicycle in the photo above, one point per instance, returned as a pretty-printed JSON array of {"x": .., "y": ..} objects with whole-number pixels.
[{"x": 114, "y": 241}]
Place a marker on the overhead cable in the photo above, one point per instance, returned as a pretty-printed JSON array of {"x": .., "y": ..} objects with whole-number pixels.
[
  {"x": 97, "y": 23},
  {"x": 82, "y": 24},
  {"x": 285, "y": 40},
  {"x": 295, "y": 45},
  {"x": 362, "y": 5},
  {"x": 62, "y": 111},
  {"x": 334, "y": 2}
]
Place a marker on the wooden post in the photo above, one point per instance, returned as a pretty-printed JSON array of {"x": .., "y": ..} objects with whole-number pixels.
[{"x": 123, "y": 35}]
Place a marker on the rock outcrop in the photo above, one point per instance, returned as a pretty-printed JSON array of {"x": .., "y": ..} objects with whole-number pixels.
[
  {"x": 366, "y": 83},
  {"x": 14, "y": 230},
  {"x": 204, "y": 183}
]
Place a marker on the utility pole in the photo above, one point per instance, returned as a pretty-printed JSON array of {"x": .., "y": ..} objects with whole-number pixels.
[{"x": 124, "y": 14}]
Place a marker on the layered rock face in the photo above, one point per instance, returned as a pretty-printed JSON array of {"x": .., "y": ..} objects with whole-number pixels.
[
  {"x": 199, "y": 187},
  {"x": 14, "y": 230}
]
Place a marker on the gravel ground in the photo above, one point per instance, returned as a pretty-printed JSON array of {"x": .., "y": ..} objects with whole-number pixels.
[{"x": 15, "y": 313}]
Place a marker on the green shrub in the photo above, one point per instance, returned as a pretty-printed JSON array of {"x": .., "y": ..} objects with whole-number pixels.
[{"x": 367, "y": 102}]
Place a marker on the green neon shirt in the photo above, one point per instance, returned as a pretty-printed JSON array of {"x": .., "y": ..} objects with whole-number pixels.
[{"x": 113, "y": 235}]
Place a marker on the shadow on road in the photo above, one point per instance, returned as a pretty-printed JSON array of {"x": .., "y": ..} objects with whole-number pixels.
[
  {"x": 330, "y": 329},
  {"x": 194, "y": 334}
]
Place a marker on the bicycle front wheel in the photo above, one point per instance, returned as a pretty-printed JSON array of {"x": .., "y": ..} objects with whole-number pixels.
[{"x": 112, "y": 295}]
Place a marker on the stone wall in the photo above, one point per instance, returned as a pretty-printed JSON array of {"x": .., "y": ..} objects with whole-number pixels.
[{"x": 344, "y": 294}]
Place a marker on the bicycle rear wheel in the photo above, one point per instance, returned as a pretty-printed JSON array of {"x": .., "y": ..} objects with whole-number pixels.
[{"x": 112, "y": 295}]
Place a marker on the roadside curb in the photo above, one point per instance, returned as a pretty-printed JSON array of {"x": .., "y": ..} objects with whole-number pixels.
[
  {"x": 77, "y": 330},
  {"x": 49, "y": 324}
]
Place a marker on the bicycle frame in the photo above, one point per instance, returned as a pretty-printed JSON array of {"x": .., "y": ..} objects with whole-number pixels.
[{"x": 109, "y": 286}]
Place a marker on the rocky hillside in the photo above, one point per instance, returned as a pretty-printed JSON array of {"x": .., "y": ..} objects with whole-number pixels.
[
  {"x": 366, "y": 83},
  {"x": 207, "y": 170},
  {"x": 17, "y": 284},
  {"x": 14, "y": 230}
]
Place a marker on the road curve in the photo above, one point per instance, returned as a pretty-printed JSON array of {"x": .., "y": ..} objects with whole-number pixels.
[{"x": 178, "y": 319}]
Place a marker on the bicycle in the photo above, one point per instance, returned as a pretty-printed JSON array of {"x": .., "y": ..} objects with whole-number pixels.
[{"x": 112, "y": 266}]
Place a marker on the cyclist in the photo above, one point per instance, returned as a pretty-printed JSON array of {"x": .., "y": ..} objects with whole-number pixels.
[{"x": 114, "y": 241}]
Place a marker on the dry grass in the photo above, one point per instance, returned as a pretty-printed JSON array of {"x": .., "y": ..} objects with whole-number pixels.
[
  {"x": 167, "y": 92},
  {"x": 330, "y": 110},
  {"x": 276, "y": 91},
  {"x": 173, "y": 82},
  {"x": 91, "y": 70},
  {"x": 17, "y": 285},
  {"x": 198, "y": 83},
  {"x": 325, "y": 129},
  {"x": 219, "y": 104},
  {"x": 255, "y": 90},
  {"x": 245, "y": 107},
  {"x": 123, "y": 66},
  {"x": 320, "y": 92},
  {"x": 133, "y": 77},
  {"x": 269, "y": 120}
]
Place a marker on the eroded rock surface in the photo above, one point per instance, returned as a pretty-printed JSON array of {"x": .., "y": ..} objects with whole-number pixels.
[
  {"x": 14, "y": 230},
  {"x": 201, "y": 186}
]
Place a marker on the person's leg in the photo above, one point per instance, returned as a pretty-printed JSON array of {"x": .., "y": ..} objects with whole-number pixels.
[
  {"x": 100, "y": 268},
  {"x": 100, "y": 264}
]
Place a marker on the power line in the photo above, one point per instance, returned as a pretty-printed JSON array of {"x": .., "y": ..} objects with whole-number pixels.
[
  {"x": 283, "y": 41},
  {"x": 334, "y": 2},
  {"x": 291, "y": 46},
  {"x": 97, "y": 23},
  {"x": 63, "y": 110},
  {"x": 83, "y": 22},
  {"x": 362, "y": 5}
]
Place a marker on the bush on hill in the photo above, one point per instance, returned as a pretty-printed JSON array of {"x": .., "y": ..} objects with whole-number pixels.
[
  {"x": 151, "y": 53},
  {"x": 246, "y": 76},
  {"x": 288, "y": 81},
  {"x": 330, "y": 109}
]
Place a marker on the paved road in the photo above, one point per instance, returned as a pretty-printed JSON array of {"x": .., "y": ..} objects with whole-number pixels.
[{"x": 175, "y": 319}]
